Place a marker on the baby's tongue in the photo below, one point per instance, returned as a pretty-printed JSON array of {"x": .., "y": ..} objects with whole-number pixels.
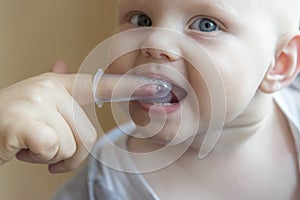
[{"x": 175, "y": 96}]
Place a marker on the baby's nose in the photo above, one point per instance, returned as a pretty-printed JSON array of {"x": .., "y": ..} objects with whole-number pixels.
[
  {"x": 160, "y": 54},
  {"x": 161, "y": 46}
]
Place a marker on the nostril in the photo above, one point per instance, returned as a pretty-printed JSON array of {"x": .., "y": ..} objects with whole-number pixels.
[
  {"x": 147, "y": 53},
  {"x": 165, "y": 56},
  {"x": 159, "y": 54}
]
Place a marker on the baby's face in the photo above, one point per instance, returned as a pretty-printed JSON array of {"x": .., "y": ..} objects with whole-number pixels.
[{"x": 239, "y": 38}]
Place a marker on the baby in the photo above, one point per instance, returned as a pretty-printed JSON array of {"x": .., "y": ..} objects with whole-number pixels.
[{"x": 253, "y": 50}]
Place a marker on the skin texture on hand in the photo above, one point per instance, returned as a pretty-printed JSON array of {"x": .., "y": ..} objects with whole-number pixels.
[{"x": 37, "y": 124}]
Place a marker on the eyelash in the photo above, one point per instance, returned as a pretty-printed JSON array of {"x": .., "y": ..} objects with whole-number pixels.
[
  {"x": 194, "y": 25},
  {"x": 133, "y": 19}
]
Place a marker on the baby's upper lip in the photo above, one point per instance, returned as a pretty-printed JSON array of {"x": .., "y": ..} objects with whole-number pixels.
[
  {"x": 177, "y": 90},
  {"x": 160, "y": 76}
]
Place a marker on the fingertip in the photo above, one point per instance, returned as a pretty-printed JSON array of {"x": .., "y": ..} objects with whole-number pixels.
[
  {"x": 70, "y": 164},
  {"x": 23, "y": 155},
  {"x": 61, "y": 167},
  {"x": 54, "y": 169},
  {"x": 60, "y": 67}
]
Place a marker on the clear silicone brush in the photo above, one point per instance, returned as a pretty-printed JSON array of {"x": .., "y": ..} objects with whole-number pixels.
[{"x": 120, "y": 88}]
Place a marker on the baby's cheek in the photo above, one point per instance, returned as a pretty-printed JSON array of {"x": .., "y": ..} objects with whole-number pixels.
[
  {"x": 237, "y": 101},
  {"x": 201, "y": 102}
]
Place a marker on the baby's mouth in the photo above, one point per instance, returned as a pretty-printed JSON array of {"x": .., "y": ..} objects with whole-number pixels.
[{"x": 176, "y": 95}]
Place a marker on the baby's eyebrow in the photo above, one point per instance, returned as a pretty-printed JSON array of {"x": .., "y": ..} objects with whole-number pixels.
[{"x": 217, "y": 6}]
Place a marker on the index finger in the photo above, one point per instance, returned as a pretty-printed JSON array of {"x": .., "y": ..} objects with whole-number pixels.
[{"x": 86, "y": 88}]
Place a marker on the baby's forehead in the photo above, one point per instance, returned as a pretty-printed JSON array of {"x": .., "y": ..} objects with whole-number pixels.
[
  {"x": 240, "y": 3},
  {"x": 285, "y": 14}
]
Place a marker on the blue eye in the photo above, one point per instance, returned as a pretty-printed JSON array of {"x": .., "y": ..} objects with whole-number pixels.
[
  {"x": 204, "y": 25},
  {"x": 140, "y": 20}
]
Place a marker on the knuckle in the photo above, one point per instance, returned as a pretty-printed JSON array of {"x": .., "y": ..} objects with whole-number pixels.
[
  {"x": 11, "y": 122},
  {"x": 40, "y": 90},
  {"x": 51, "y": 143},
  {"x": 7, "y": 147},
  {"x": 45, "y": 144},
  {"x": 46, "y": 83},
  {"x": 35, "y": 98},
  {"x": 68, "y": 154}
]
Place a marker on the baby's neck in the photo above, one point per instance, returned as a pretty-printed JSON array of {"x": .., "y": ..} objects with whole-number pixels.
[{"x": 258, "y": 117}]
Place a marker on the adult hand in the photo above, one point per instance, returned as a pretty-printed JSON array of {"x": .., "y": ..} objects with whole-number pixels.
[
  {"x": 37, "y": 116},
  {"x": 37, "y": 124}
]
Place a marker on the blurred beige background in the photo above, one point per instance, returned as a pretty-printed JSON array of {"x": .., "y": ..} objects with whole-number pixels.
[{"x": 33, "y": 34}]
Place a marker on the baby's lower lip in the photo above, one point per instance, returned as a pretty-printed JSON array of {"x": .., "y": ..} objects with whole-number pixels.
[
  {"x": 165, "y": 105},
  {"x": 160, "y": 108}
]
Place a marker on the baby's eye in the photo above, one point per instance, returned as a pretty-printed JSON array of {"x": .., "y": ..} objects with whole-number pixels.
[
  {"x": 204, "y": 25},
  {"x": 140, "y": 20}
]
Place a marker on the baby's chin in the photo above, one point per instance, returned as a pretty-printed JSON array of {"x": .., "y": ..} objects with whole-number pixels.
[{"x": 164, "y": 137}]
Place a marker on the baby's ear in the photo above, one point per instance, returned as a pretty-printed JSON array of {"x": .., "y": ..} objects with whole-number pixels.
[{"x": 284, "y": 68}]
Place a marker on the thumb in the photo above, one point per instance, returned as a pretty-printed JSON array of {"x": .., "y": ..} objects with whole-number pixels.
[{"x": 60, "y": 67}]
